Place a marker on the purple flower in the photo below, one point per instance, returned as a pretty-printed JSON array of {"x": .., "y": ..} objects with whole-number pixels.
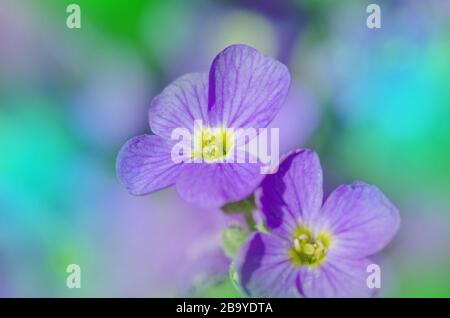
[
  {"x": 314, "y": 250},
  {"x": 244, "y": 89}
]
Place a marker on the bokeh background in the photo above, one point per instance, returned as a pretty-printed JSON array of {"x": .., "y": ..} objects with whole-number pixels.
[{"x": 375, "y": 104}]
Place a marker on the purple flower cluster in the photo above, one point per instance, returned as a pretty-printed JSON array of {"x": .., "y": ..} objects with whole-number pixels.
[
  {"x": 313, "y": 249},
  {"x": 244, "y": 89}
]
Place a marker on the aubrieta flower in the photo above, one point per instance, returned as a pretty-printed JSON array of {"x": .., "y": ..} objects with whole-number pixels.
[
  {"x": 244, "y": 89},
  {"x": 314, "y": 250}
]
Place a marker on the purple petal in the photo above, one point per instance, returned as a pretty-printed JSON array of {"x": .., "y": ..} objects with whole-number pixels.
[
  {"x": 361, "y": 219},
  {"x": 246, "y": 88},
  {"x": 180, "y": 104},
  {"x": 337, "y": 277},
  {"x": 144, "y": 165},
  {"x": 294, "y": 194},
  {"x": 213, "y": 185},
  {"x": 264, "y": 268}
]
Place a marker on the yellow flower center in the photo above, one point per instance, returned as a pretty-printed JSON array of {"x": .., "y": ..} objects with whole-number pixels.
[
  {"x": 213, "y": 145},
  {"x": 308, "y": 249}
]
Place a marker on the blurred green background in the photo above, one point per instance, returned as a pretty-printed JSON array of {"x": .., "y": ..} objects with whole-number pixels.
[{"x": 375, "y": 104}]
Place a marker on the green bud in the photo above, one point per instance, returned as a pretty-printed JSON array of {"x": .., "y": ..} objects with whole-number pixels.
[
  {"x": 232, "y": 239},
  {"x": 234, "y": 278},
  {"x": 246, "y": 205}
]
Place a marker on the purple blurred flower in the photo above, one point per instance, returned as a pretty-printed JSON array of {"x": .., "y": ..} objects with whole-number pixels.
[
  {"x": 101, "y": 108},
  {"x": 314, "y": 250},
  {"x": 298, "y": 119},
  {"x": 244, "y": 89}
]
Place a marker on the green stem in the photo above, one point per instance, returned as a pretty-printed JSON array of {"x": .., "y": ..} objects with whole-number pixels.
[
  {"x": 245, "y": 207},
  {"x": 249, "y": 220}
]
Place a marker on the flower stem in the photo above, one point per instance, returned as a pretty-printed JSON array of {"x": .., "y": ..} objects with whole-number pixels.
[
  {"x": 245, "y": 207},
  {"x": 248, "y": 215}
]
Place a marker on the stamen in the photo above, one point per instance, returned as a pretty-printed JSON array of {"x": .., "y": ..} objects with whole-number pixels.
[
  {"x": 320, "y": 244},
  {"x": 297, "y": 246},
  {"x": 309, "y": 249},
  {"x": 213, "y": 145},
  {"x": 303, "y": 237}
]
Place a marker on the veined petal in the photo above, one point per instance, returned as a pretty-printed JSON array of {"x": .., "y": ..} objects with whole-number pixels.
[
  {"x": 246, "y": 88},
  {"x": 144, "y": 164},
  {"x": 338, "y": 278},
  {"x": 360, "y": 218},
  {"x": 293, "y": 195},
  {"x": 180, "y": 104},
  {"x": 264, "y": 268},
  {"x": 214, "y": 184}
]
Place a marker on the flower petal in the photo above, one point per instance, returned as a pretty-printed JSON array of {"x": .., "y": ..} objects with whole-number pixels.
[
  {"x": 264, "y": 268},
  {"x": 337, "y": 277},
  {"x": 144, "y": 165},
  {"x": 180, "y": 104},
  {"x": 360, "y": 218},
  {"x": 214, "y": 184},
  {"x": 294, "y": 194},
  {"x": 246, "y": 88}
]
